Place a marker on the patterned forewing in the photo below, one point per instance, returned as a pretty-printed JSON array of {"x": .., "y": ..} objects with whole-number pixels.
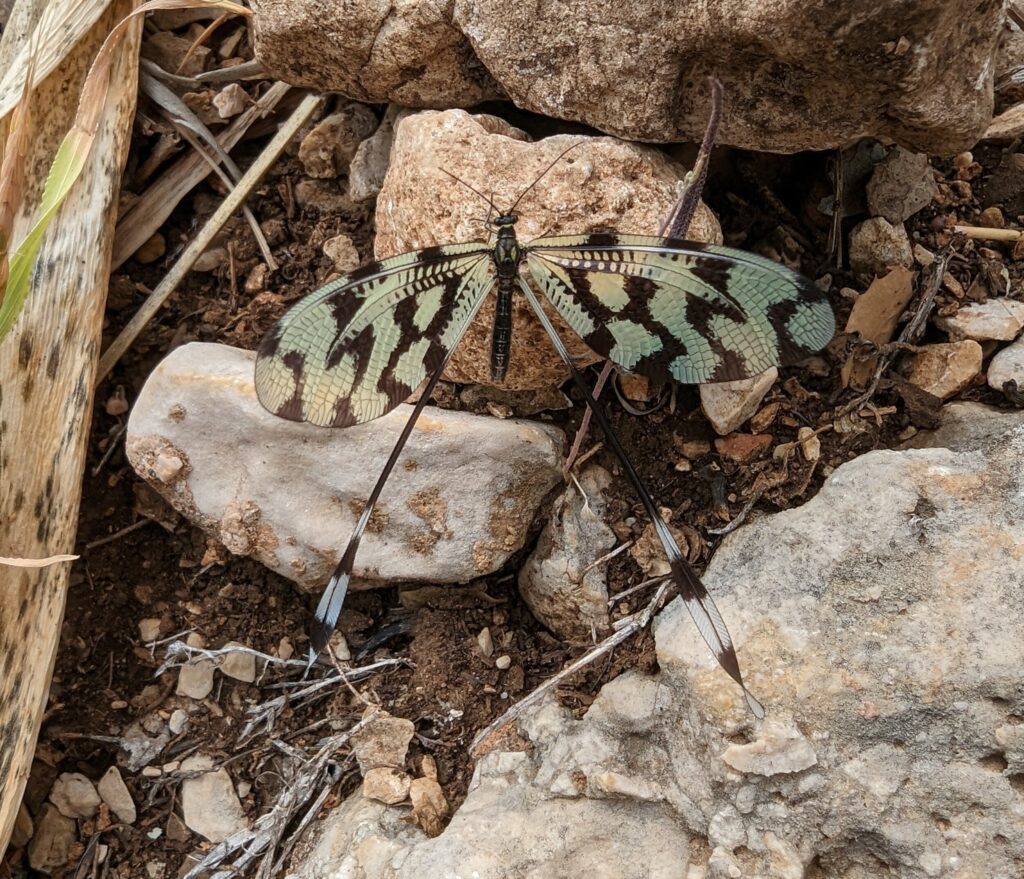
[
  {"x": 680, "y": 309},
  {"x": 353, "y": 350}
]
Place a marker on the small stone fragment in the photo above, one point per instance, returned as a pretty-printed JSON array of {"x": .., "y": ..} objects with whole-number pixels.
[
  {"x": 1007, "y": 365},
  {"x": 369, "y": 166},
  {"x": 485, "y": 642},
  {"x": 285, "y": 648},
  {"x": 195, "y": 678},
  {"x": 992, "y": 218},
  {"x": 386, "y": 784},
  {"x": 51, "y": 844},
  {"x": 503, "y": 662},
  {"x": 329, "y": 147},
  {"x": 945, "y": 369},
  {"x": 876, "y": 245},
  {"x": 178, "y": 721},
  {"x": 342, "y": 252},
  {"x": 75, "y": 795},
  {"x": 779, "y": 748},
  {"x": 923, "y": 256},
  {"x": 429, "y": 806},
  {"x": 382, "y": 742},
  {"x": 727, "y": 405},
  {"x": 149, "y": 629},
  {"x": 151, "y": 250},
  {"x": 209, "y": 804},
  {"x": 901, "y": 184},
  {"x": 210, "y": 260},
  {"x": 239, "y": 665},
  {"x": 743, "y": 447},
  {"x": 115, "y": 794},
  {"x": 1001, "y": 319},
  {"x": 230, "y": 100}
]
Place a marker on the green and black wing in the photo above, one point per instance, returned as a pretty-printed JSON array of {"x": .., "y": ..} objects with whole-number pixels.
[
  {"x": 667, "y": 308},
  {"x": 361, "y": 345}
]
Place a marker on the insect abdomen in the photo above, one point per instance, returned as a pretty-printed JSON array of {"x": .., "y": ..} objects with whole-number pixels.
[{"x": 501, "y": 332}]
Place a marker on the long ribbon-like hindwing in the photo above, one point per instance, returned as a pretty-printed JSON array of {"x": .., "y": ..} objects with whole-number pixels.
[{"x": 696, "y": 598}]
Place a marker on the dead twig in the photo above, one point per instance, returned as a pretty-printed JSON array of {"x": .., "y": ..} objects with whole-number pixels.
[
  {"x": 987, "y": 233},
  {"x": 231, "y": 203},
  {"x": 630, "y": 626}
]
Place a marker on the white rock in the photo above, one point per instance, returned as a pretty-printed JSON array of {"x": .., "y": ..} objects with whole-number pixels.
[
  {"x": 727, "y": 405},
  {"x": 884, "y": 716},
  {"x": 178, "y": 721},
  {"x": 75, "y": 795},
  {"x": 209, "y": 803},
  {"x": 239, "y": 665},
  {"x": 1006, "y": 366},
  {"x": 50, "y": 847},
  {"x": 876, "y": 246},
  {"x": 559, "y": 581},
  {"x": 195, "y": 678},
  {"x": 901, "y": 184},
  {"x": 115, "y": 794},
  {"x": 1001, "y": 319},
  {"x": 460, "y": 503}
]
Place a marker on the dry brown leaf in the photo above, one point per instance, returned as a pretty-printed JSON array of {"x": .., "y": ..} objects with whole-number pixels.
[{"x": 874, "y": 317}]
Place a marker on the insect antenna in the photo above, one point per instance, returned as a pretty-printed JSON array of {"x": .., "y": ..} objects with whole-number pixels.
[
  {"x": 494, "y": 207},
  {"x": 558, "y": 158},
  {"x": 696, "y": 598}
]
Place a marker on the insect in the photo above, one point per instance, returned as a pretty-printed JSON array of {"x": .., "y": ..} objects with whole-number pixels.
[{"x": 664, "y": 308}]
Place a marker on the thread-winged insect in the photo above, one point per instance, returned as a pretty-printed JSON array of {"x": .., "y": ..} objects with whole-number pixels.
[{"x": 664, "y": 308}]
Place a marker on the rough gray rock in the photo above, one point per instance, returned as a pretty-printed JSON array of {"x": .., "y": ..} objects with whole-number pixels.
[
  {"x": 796, "y": 75},
  {"x": 369, "y": 165},
  {"x": 880, "y": 623},
  {"x": 559, "y": 581},
  {"x": 116, "y": 795},
  {"x": 602, "y": 184},
  {"x": 327, "y": 149},
  {"x": 75, "y": 795},
  {"x": 901, "y": 184},
  {"x": 459, "y": 503}
]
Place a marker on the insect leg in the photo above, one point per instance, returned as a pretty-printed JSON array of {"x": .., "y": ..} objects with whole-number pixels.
[{"x": 696, "y": 598}]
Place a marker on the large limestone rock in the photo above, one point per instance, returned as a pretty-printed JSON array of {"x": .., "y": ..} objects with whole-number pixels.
[
  {"x": 461, "y": 500},
  {"x": 880, "y": 623},
  {"x": 797, "y": 75},
  {"x": 602, "y": 184}
]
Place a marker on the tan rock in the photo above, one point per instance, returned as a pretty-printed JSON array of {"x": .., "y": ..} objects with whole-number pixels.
[
  {"x": 386, "y": 784},
  {"x": 342, "y": 252},
  {"x": 51, "y": 844},
  {"x": 945, "y": 369},
  {"x": 743, "y": 447},
  {"x": 901, "y": 185},
  {"x": 75, "y": 795},
  {"x": 637, "y": 69},
  {"x": 602, "y": 184},
  {"x": 429, "y": 806},
  {"x": 116, "y": 795},
  {"x": 238, "y": 664},
  {"x": 330, "y": 145},
  {"x": 209, "y": 803},
  {"x": 382, "y": 742},
  {"x": 727, "y": 405},
  {"x": 876, "y": 245}
]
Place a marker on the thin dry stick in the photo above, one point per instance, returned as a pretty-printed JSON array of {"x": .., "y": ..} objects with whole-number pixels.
[
  {"x": 213, "y": 225},
  {"x": 638, "y": 622},
  {"x": 676, "y": 225},
  {"x": 987, "y": 233}
]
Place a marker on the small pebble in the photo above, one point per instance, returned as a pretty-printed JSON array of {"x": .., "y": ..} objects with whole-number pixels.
[
  {"x": 151, "y": 771},
  {"x": 149, "y": 629},
  {"x": 485, "y": 642},
  {"x": 75, "y": 795},
  {"x": 118, "y": 705},
  {"x": 178, "y": 721},
  {"x": 503, "y": 662},
  {"x": 151, "y": 250}
]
